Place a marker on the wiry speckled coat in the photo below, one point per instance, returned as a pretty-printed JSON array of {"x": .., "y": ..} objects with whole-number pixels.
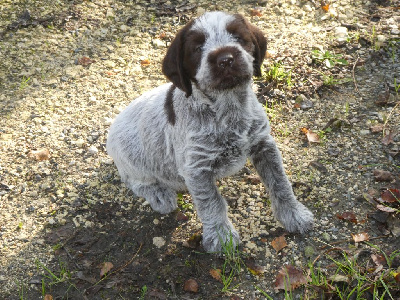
[{"x": 203, "y": 126}]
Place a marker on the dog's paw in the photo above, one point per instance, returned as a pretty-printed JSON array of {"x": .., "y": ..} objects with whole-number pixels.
[
  {"x": 220, "y": 237},
  {"x": 163, "y": 200},
  {"x": 295, "y": 218}
]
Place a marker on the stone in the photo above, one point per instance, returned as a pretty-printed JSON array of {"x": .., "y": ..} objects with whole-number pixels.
[
  {"x": 326, "y": 236},
  {"x": 157, "y": 43},
  {"x": 158, "y": 241},
  {"x": 341, "y": 34},
  {"x": 309, "y": 251},
  {"x": 93, "y": 150}
]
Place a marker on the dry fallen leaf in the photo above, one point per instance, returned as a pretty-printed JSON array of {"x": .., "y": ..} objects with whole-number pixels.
[
  {"x": 397, "y": 277},
  {"x": 376, "y": 128},
  {"x": 191, "y": 285},
  {"x": 312, "y": 137},
  {"x": 85, "y": 61},
  {"x": 253, "y": 179},
  {"x": 325, "y": 6},
  {"x": 379, "y": 259},
  {"x": 348, "y": 216},
  {"x": 381, "y": 175},
  {"x": 105, "y": 268},
  {"x": 289, "y": 277},
  {"x": 193, "y": 242},
  {"x": 145, "y": 62},
  {"x": 388, "y": 138},
  {"x": 157, "y": 294},
  {"x": 216, "y": 274},
  {"x": 338, "y": 278},
  {"x": 256, "y": 12},
  {"x": 385, "y": 208},
  {"x": 279, "y": 243},
  {"x": 360, "y": 237},
  {"x": 254, "y": 268},
  {"x": 110, "y": 73},
  {"x": 390, "y": 195},
  {"x": 41, "y": 154},
  {"x": 180, "y": 216}
]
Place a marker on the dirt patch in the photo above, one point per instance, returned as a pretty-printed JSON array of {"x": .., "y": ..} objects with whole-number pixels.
[{"x": 68, "y": 68}]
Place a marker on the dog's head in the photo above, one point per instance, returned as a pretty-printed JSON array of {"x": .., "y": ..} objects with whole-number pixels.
[{"x": 217, "y": 51}]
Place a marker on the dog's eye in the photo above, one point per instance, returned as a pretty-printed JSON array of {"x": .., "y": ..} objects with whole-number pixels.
[
  {"x": 199, "y": 48},
  {"x": 238, "y": 39}
]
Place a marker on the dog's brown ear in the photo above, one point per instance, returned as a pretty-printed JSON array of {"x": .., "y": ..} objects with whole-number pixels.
[
  {"x": 260, "y": 43},
  {"x": 172, "y": 65}
]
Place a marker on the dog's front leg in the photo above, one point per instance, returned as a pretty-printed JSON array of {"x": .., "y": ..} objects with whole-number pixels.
[
  {"x": 293, "y": 215},
  {"x": 211, "y": 208}
]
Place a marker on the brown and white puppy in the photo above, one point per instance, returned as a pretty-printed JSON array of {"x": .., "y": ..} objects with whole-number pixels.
[{"x": 203, "y": 126}]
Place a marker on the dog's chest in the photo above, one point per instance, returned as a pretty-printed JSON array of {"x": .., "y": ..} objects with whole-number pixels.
[{"x": 231, "y": 150}]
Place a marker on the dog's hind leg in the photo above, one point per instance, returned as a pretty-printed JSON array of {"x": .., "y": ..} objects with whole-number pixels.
[
  {"x": 293, "y": 215},
  {"x": 161, "y": 198}
]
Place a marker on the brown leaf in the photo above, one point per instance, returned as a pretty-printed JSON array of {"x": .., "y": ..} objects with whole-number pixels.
[
  {"x": 105, "y": 268},
  {"x": 39, "y": 155},
  {"x": 279, "y": 243},
  {"x": 312, "y": 137},
  {"x": 180, "y": 216},
  {"x": 289, "y": 278},
  {"x": 348, "y": 216},
  {"x": 48, "y": 297},
  {"x": 376, "y": 128},
  {"x": 390, "y": 195},
  {"x": 397, "y": 278},
  {"x": 253, "y": 179},
  {"x": 145, "y": 62},
  {"x": 254, "y": 268},
  {"x": 385, "y": 208},
  {"x": 158, "y": 294},
  {"x": 381, "y": 175},
  {"x": 193, "y": 242},
  {"x": 85, "y": 61},
  {"x": 110, "y": 73},
  {"x": 388, "y": 139},
  {"x": 320, "y": 167},
  {"x": 383, "y": 98},
  {"x": 379, "y": 259},
  {"x": 256, "y": 12},
  {"x": 325, "y": 7},
  {"x": 360, "y": 237},
  {"x": 191, "y": 285},
  {"x": 216, "y": 274}
]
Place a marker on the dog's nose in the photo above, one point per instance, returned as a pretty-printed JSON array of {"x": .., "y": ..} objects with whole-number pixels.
[{"x": 225, "y": 60}]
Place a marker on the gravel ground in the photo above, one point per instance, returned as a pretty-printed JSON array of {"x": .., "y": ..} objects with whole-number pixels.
[{"x": 68, "y": 68}]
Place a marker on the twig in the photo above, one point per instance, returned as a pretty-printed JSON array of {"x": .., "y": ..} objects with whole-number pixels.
[
  {"x": 354, "y": 77},
  {"x": 390, "y": 114},
  {"x": 349, "y": 240},
  {"x": 313, "y": 263},
  {"x": 128, "y": 263},
  {"x": 120, "y": 268}
]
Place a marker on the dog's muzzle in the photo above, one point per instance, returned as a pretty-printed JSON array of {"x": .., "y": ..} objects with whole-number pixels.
[{"x": 228, "y": 68}]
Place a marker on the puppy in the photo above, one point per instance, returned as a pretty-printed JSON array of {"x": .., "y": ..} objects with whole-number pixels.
[{"x": 202, "y": 126}]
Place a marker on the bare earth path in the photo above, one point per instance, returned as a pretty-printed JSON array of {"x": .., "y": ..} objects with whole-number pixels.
[{"x": 68, "y": 67}]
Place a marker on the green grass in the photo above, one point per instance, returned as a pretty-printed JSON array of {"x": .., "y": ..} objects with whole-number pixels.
[
  {"x": 24, "y": 83},
  {"x": 143, "y": 293},
  {"x": 352, "y": 278},
  {"x": 278, "y": 75},
  {"x": 232, "y": 264},
  {"x": 273, "y": 110},
  {"x": 52, "y": 278},
  {"x": 328, "y": 58}
]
